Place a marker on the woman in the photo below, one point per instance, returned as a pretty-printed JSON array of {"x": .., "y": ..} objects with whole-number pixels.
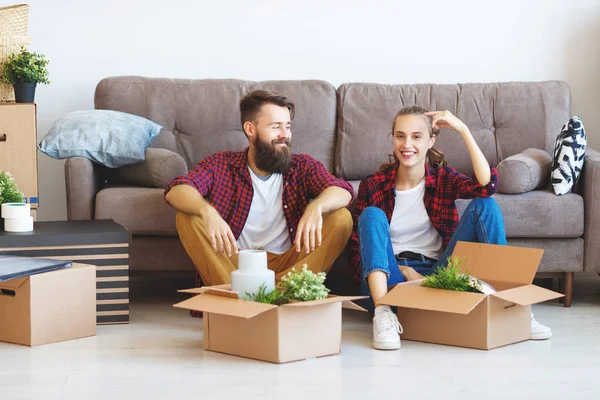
[{"x": 406, "y": 223}]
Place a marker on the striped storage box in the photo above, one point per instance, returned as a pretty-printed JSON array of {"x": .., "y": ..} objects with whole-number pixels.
[{"x": 102, "y": 243}]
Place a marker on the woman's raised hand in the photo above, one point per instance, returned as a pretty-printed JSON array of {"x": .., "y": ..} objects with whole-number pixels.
[{"x": 445, "y": 119}]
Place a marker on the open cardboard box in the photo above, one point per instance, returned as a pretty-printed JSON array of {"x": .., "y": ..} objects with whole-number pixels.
[
  {"x": 277, "y": 334},
  {"x": 49, "y": 307},
  {"x": 471, "y": 319}
]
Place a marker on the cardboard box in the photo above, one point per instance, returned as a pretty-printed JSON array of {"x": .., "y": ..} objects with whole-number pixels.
[
  {"x": 471, "y": 319},
  {"x": 18, "y": 147},
  {"x": 277, "y": 334},
  {"x": 49, "y": 307}
]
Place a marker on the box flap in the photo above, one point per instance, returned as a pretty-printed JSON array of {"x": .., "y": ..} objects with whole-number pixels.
[
  {"x": 328, "y": 300},
  {"x": 353, "y": 306},
  {"x": 527, "y": 295},
  {"x": 499, "y": 263},
  {"x": 410, "y": 295},
  {"x": 214, "y": 302},
  {"x": 13, "y": 284},
  {"x": 225, "y": 286}
]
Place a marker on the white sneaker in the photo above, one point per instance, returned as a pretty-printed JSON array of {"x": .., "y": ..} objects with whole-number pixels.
[
  {"x": 539, "y": 331},
  {"x": 386, "y": 329}
]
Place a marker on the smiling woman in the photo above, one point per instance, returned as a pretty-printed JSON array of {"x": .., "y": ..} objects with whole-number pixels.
[{"x": 406, "y": 223}]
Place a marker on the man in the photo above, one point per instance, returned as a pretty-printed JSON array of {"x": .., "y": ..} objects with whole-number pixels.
[{"x": 264, "y": 197}]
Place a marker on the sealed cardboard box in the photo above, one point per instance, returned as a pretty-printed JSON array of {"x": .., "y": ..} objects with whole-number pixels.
[
  {"x": 277, "y": 334},
  {"x": 471, "y": 319},
  {"x": 18, "y": 147},
  {"x": 49, "y": 307}
]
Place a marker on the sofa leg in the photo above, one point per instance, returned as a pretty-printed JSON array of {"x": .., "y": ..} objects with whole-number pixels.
[
  {"x": 568, "y": 288},
  {"x": 561, "y": 287}
]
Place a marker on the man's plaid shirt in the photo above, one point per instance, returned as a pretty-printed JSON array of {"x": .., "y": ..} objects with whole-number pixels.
[{"x": 224, "y": 180}]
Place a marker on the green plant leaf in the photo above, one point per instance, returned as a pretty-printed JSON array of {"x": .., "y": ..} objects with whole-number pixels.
[
  {"x": 268, "y": 297},
  {"x": 25, "y": 67},
  {"x": 304, "y": 285},
  {"x": 452, "y": 279},
  {"x": 8, "y": 189}
]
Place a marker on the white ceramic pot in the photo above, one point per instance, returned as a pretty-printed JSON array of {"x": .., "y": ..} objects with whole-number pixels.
[{"x": 252, "y": 272}]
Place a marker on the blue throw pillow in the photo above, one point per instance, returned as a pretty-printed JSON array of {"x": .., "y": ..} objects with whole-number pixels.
[{"x": 110, "y": 138}]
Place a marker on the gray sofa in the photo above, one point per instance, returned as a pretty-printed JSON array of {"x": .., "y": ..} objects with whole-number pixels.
[{"x": 348, "y": 130}]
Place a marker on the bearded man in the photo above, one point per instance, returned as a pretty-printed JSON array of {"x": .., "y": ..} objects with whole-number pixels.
[{"x": 264, "y": 197}]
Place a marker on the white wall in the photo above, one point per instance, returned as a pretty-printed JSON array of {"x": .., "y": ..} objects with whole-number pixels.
[{"x": 434, "y": 41}]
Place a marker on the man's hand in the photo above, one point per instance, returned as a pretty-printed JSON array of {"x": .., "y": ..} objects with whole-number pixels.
[
  {"x": 309, "y": 231},
  {"x": 219, "y": 232}
]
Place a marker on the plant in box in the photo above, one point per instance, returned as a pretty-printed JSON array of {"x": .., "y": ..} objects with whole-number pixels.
[
  {"x": 269, "y": 297},
  {"x": 8, "y": 189},
  {"x": 302, "y": 285},
  {"x": 24, "y": 70},
  {"x": 452, "y": 279}
]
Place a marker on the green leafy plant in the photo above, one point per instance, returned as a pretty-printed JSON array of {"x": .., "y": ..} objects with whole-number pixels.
[
  {"x": 25, "y": 67},
  {"x": 269, "y": 297},
  {"x": 303, "y": 285},
  {"x": 452, "y": 279},
  {"x": 8, "y": 189}
]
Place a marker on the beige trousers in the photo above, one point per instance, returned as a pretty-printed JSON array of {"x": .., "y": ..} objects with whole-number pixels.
[{"x": 215, "y": 268}]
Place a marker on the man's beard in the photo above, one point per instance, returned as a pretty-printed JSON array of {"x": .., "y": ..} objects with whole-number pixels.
[{"x": 273, "y": 159}]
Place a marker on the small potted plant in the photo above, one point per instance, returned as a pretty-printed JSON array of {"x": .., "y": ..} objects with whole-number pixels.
[
  {"x": 452, "y": 279},
  {"x": 302, "y": 285},
  {"x": 24, "y": 70},
  {"x": 8, "y": 190}
]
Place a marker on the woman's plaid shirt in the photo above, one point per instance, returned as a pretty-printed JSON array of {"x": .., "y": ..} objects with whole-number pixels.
[{"x": 442, "y": 187}]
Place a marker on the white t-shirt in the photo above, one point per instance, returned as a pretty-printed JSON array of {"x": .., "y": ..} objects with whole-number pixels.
[
  {"x": 266, "y": 228},
  {"x": 410, "y": 228}
]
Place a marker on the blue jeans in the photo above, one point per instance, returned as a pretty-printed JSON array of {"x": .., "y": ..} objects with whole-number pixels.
[{"x": 481, "y": 223}]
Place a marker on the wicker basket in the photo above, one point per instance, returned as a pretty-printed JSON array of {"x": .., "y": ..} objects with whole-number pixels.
[
  {"x": 10, "y": 45},
  {"x": 13, "y": 36},
  {"x": 14, "y": 20}
]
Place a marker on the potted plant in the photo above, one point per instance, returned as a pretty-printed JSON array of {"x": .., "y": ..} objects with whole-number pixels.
[
  {"x": 8, "y": 190},
  {"x": 24, "y": 70},
  {"x": 451, "y": 278},
  {"x": 302, "y": 285}
]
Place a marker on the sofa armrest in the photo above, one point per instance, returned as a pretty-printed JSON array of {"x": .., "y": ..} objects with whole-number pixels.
[
  {"x": 82, "y": 178},
  {"x": 590, "y": 186}
]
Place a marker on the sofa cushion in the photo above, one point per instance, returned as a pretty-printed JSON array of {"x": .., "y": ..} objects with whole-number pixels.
[
  {"x": 156, "y": 171},
  {"x": 143, "y": 211},
  {"x": 560, "y": 254},
  {"x": 201, "y": 117},
  {"x": 539, "y": 214},
  {"x": 109, "y": 138},
  {"x": 524, "y": 172},
  {"x": 499, "y": 116}
]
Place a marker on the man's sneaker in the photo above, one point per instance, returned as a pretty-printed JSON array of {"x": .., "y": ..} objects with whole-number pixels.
[
  {"x": 386, "y": 329},
  {"x": 539, "y": 331}
]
